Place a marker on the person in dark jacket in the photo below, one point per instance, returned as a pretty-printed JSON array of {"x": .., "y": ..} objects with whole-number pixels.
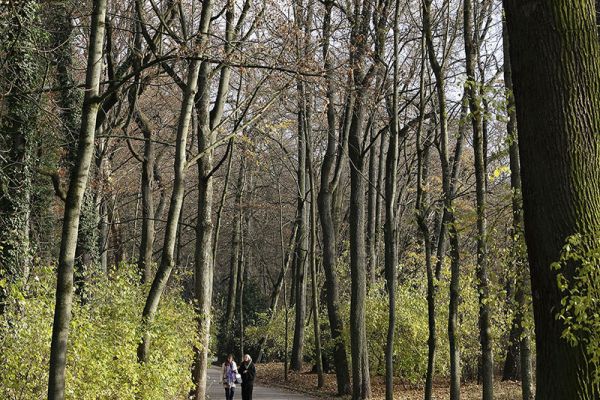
[{"x": 248, "y": 372}]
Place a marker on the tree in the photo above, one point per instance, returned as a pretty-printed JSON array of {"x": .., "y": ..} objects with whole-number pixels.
[
  {"x": 555, "y": 53},
  {"x": 77, "y": 185},
  {"x": 472, "y": 94},
  {"x": 519, "y": 256},
  {"x": 21, "y": 73},
  {"x": 330, "y": 177}
]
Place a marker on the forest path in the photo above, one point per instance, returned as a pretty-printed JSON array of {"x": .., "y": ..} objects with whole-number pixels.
[{"x": 214, "y": 389}]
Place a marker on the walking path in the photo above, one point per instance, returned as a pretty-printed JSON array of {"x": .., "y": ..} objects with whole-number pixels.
[{"x": 214, "y": 389}]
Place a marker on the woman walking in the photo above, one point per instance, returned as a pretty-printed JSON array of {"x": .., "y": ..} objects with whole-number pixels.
[
  {"x": 229, "y": 377},
  {"x": 248, "y": 372}
]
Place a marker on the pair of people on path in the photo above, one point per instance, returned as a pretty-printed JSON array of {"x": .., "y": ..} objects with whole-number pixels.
[{"x": 232, "y": 375}]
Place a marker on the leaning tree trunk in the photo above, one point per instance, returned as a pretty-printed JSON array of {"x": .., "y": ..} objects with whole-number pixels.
[
  {"x": 79, "y": 176},
  {"x": 555, "y": 59},
  {"x": 168, "y": 255}
]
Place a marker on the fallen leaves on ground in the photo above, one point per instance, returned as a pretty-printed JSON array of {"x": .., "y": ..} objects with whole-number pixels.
[{"x": 271, "y": 374}]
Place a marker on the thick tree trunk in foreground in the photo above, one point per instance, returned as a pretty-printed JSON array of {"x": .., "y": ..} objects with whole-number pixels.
[
  {"x": 79, "y": 177},
  {"x": 555, "y": 58}
]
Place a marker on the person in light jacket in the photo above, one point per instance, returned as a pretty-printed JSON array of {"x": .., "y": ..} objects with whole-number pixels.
[
  {"x": 248, "y": 372},
  {"x": 229, "y": 371}
]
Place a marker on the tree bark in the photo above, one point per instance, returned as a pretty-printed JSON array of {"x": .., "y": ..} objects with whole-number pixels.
[
  {"x": 485, "y": 338},
  {"x": 325, "y": 207},
  {"x": 556, "y": 74},
  {"x": 208, "y": 119},
  {"x": 20, "y": 76},
  {"x": 234, "y": 259},
  {"x": 147, "y": 240},
  {"x": 519, "y": 251},
  {"x": 79, "y": 176}
]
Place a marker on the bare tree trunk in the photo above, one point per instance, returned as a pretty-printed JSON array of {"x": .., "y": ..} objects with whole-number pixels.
[
  {"x": 361, "y": 381},
  {"x": 234, "y": 259},
  {"x": 208, "y": 119},
  {"x": 372, "y": 194},
  {"x": 147, "y": 241},
  {"x": 313, "y": 264},
  {"x": 480, "y": 188},
  {"x": 329, "y": 181},
  {"x": 523, "y": 339},
  {"x": 301, "y": 240},
  {"x": 79, "y": 176},
  {"x": 390, "y": 234},
  {"x": 168, "y": 255}
]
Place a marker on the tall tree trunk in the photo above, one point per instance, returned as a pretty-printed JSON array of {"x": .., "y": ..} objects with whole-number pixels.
[
  {"x": 302, "y": 238},
  {"x": 556, "y": 76},
  {"x": 79, "y": 176},
  {"x": 313, "y": 264},
  {"x": 147, "y": 240},
  {"x": 325, "y": 208},
  {"x": 439, "y": 70},
  {"x": 361, "y": 381},
  {"x": 208, "y": 119},
  {"x": 234, "y": 259},
  {"x": 372, "y": 194},
  {"x": 391, "y": 251},
  {"x": 485, "y": 338},
  {"x": 518, "y": 249},
  {"x": 453, "y": 239},
  {"x": 168, "y": 255}
]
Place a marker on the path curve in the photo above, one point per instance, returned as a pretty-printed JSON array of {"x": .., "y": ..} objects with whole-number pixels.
[{"x": 215, "y": 391}]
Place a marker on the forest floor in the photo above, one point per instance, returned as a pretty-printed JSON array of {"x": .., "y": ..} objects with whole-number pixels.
[{"x": 306, "y": 382}]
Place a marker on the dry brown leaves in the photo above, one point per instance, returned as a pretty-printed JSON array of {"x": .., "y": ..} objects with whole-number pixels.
[{"x": 305, "y": 382}]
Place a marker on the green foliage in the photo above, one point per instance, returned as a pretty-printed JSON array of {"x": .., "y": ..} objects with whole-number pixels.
[
  {"x": 578, "y": 279},
  {"x": 102, "y": 362}
]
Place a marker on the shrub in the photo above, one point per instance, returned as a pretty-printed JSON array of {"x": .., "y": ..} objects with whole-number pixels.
[{"x": 105, "y": 332}]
